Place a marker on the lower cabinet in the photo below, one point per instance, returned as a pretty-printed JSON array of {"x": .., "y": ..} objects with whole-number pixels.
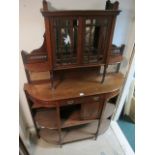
[
  {"x": 73, "y": 119},
  {"x": 72, "y": 122}
]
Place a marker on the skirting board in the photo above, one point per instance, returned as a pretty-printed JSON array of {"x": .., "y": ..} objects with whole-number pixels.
[{"x": 121, "y": 138}]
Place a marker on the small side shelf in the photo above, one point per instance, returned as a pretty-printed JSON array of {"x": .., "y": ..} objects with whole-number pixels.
[
  {"x": 46, "y": 119},
  {"x": 69, "y": 134},
  {"x": 37, "y": 67},
  {"x": 104, "y": 126},
  {"x": 109, "y": 109},
  {"x": 43, "y": 67},
  {"x": 114, "y": 59},
  {"x": 79, "y": 132},
  {"x": 74, "y": 133},
  {"x": 50, "y": 136}
]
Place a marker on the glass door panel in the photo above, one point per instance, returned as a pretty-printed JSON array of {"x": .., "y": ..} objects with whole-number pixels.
[
  {"x": 95, "y": 39},
  {"x": 65, "y": 34}
]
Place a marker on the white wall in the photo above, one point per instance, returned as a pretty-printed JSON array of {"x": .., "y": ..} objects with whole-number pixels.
[{"x": 32, "y": 29}]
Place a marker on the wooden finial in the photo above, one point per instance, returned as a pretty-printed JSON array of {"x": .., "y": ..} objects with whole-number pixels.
[
  {"x": 45, "y": 6},
  {"x": 115, "y": 5},
  {"x": 111, "y": 6},
  {"x": 108, "y": 4}
]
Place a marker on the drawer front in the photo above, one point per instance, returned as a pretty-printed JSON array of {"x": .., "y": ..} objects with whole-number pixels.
[
  {"x": 39, "y": 104},
  {"x": 81, "y": 100},
  {"x": 67, "y": 102},
  {"x": 96, "y": 98}
]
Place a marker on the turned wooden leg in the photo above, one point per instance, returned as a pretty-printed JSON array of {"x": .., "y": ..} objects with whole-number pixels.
[
  {"x": 118, "y": 67},
  {"x": 52, "y": 79},
  {"x": 104, "y": 73},
  {"x": 38, "y": 134},
  {"x": 59, "y": 124}
]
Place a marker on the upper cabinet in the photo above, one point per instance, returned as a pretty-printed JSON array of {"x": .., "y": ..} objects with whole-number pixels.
[
  {"x": 79, "y": 38},
  {"x": 75, "y": 39}
]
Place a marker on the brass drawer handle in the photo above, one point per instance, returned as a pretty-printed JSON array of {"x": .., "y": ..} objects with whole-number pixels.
[
  {"x": 70, "y": 102},
  {"x": 96, "y": 98}
]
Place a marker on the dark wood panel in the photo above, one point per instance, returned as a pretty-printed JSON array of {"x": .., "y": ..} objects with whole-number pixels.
[{"x": 91, "y": 110}]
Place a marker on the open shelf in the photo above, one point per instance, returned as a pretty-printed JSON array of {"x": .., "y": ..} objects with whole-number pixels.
[
  {"x": 37, "y": 67},
  {"x": 79, "y": 132},
  {"x": 69, "y": 134},
  {"x": 44, "y": 67},
  {"x": 109, "y": 109},
  {"x": 115, "y": 59},
  {"x": 74, "y": 133},
  {"x": 74, "y": 119},
  {"x": 46, "y": 119},
  {"x": 104, "y": 126},
  {"x": 36, "y": 76},
  {"x": 50, "y": 136}
]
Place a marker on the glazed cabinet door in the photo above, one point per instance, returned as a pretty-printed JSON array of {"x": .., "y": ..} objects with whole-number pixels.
[
  {"x": 64, "y": 35},
  {"x": 80, "y": 40},
  {"x": 96, "y": 34}
]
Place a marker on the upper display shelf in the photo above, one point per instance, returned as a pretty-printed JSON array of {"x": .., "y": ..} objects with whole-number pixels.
[{"x": 76, "y": 39}]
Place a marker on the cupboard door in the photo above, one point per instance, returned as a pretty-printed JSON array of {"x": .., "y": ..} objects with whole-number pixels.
[
  {"x": 91, "y": 110},
  {"x": 95, "y": 39},
  {"x": 65, "y": 34}
]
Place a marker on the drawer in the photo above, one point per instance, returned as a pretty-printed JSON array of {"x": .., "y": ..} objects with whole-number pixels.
[
  {"x": 43, "y": 105},
  {"x": 67, "y": 102},
  {"x": 97, "y": 98}
]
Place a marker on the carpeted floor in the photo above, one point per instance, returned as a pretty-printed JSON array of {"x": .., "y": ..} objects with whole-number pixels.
[
  {"x": 106, "y": 144},
  {"x": 128, "y": 128}
]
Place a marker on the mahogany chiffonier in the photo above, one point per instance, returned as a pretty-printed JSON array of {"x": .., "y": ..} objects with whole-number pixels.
[{"x": 66, "y": 93}]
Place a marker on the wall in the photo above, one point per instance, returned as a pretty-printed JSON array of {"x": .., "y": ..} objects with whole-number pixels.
[
  {"x": 32, "y": 30},
  {"x": 23, "y": 132}
]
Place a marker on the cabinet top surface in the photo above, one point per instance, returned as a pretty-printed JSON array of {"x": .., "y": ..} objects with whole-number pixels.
[
  {"x": 86, "y": 85},
  {"x": 79, "y": 12}
]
